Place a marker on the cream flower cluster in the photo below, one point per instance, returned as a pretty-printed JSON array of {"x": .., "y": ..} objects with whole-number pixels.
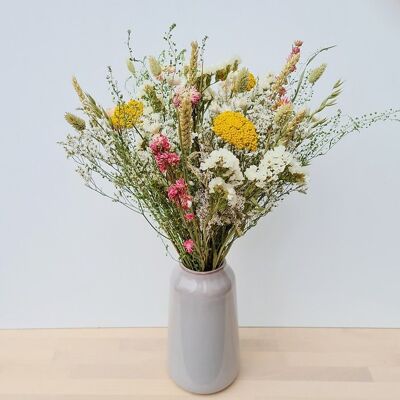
[
  {"x": 267, "y": 81},
  {"x": 218, "y": 184},
  {"x": 224, "y": 159},
  {"x": 296, "y": 168},
  {"x": 272, "y": 165}
]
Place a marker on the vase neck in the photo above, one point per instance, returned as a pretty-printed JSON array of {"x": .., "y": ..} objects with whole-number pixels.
[{"x": 223, "y": 265}]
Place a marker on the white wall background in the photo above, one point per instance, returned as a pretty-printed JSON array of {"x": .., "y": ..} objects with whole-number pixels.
[{"x": 70, "y": 258}]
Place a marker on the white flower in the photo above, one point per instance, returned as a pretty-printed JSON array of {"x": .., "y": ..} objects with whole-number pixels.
[
  {"x": 218, "y": 181},
  {"x": 296, "y": 168},
  {"x": 147, "y": 111},
  {"x": 223, "y": 158},
  {"x": 151, "y": 127},
  {"x": 241, "y": 102},
  {"x": 227, "y": 188},
  {"x": 276, "y": 159},
  {"x": 266, "y": 82},
  {"x": 271, "y": 165},
  {"x": 209, "y": 94},
  {"x": 251, "y": 173},
  {"x": 214, "y": 108}
]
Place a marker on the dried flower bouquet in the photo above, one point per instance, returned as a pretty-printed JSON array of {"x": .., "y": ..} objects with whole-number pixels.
[{"x": 203, "y": 153}]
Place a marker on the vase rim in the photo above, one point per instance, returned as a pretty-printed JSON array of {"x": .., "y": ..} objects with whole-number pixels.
[{"x": 191, "y": 271}]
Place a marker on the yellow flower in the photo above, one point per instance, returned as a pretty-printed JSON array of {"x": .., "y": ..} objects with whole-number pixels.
[
  {"x": 251, "y": 81},
  {"x": 126, "y": 115},
  {"x": 236, "y": 129}
]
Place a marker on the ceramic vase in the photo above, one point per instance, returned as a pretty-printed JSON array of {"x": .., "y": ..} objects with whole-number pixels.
[{"x": 203, "y": 345}]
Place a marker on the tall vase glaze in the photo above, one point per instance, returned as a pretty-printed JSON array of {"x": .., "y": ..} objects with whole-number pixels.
[{"x": 203, "y": 344}]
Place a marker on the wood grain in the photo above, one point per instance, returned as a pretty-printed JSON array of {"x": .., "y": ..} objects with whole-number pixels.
[{"x": 276, "y": 363}]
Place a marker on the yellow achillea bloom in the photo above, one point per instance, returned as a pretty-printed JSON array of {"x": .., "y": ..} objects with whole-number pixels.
[
  {"x": 236, "y": 129},
  {"x": 251, "y": 81},
  {"x": 127, "y": 115}
]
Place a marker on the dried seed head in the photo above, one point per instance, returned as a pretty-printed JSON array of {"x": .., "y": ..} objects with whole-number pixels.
[
  {"x": 154, "y": 66},
  {"x": 192, "y": 72},
  {"x": 316, "y": 73},
  {"x": 130, "y": 66},
  {"x": 185, "y": 121},
  {"x": 76, "y": 122}
]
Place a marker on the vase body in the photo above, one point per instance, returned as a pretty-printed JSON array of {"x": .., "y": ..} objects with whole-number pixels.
[{"x": 203, "y": 344}]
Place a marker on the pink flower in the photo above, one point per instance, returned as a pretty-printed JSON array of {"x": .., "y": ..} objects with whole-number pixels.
[
  {"x": 186, "y": 201},
  {"x": 159, "y": 143},
  {"x": 181, "y": 185},
  {"x": 177, "y": 189},
  {"x": 165, "y": 160},
  {"x": 188, "y": 245},
  {"x": 176, "y": 101},
  {"x": 189, "y": 216},
  {"x": 195, "y": 96},
  {"x": 295, "y": 50},
  {"x": 110, "y": 111},
  {"x": 178, "y": 193},
  {"x": 160, "y": 147},
  {"x": 181, "y": 91},
  {"x": 173, "y": 158},
  {"x": 283, "y": 100}
]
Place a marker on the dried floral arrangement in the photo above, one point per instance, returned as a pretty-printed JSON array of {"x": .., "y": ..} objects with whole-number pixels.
[{"x": 203, "y": 153}]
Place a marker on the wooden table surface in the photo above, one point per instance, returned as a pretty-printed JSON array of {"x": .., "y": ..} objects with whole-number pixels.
[{"x": 129, "y": 364}]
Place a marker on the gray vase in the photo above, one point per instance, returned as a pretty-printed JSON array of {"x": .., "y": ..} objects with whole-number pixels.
[{"x": 203, "y": 344}]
